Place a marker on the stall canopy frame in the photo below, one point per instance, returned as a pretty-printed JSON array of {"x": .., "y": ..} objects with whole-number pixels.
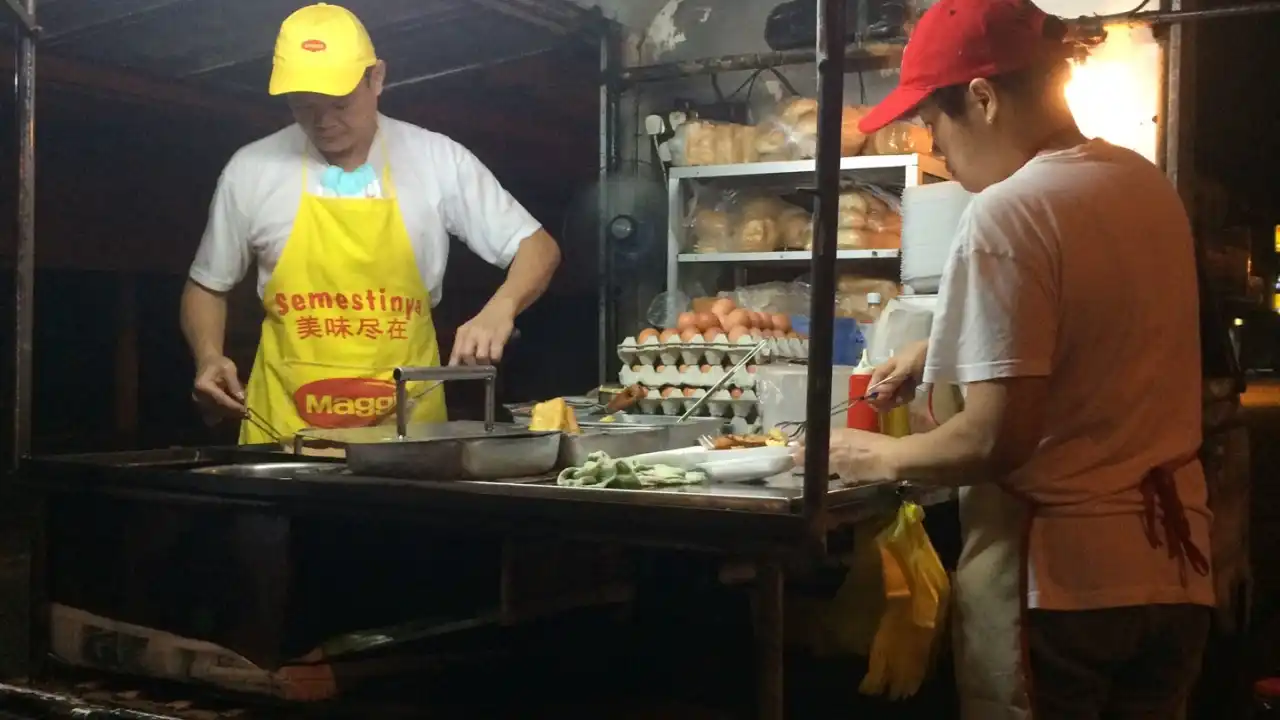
[
  {"x": 833, "y": 58},
  {"x": 25, "y": 231}
]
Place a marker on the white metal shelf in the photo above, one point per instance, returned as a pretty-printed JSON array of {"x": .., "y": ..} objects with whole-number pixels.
[
  {"x": 791, "y": 256},
  {"x": 927, "y": 164},
  {"x": 893, "y": 170}
]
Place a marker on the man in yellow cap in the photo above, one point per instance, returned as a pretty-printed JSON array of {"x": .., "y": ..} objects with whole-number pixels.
[{"x": 347, "y": 215}]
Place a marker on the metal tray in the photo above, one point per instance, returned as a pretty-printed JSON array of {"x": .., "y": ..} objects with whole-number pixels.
[
  {"x": 275, "y": 471},
  {"x": 676, "y": 434},
  {"x": 511, "y": 453},
  {"x": 374, "y": 434},
  {"x": 617, "y": 442}
]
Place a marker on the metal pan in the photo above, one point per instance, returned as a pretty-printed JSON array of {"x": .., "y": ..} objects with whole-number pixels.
[
  {"x": 676, "y": 434},
  {"x": 622, "y": 442},
  {"x": 491, "y": 455},
  {"x": 461, "y": 450}
]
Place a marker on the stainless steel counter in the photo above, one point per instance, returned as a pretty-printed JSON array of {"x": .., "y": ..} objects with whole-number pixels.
[{"x": 781, "y": 494}]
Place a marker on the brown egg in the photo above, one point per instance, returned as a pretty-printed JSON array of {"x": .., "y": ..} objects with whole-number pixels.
[
  {"x": 737, "y": 318},
  {"x": 707, "y": 321},
  {"x": 752, "y": 368},
  {"x": 781, "y": 322},
  {"x": 757, "y": 335},
  {"x": 637, "y": 368},
  {"x": 682, "y": 368},
  {"x": 705, "y": 368},
  {"x": 688, "y": 392},
  {"x": 687, "y": 334},
  {"x": 687, "y": 320},
  {"x": 735, "y": 393},
  {"x": 645, "y": 334},
  {"x": 738, "y": 333},
  {"x": 669, "y": 336},
  {"x": 764, "y": 321},
  {"x": 668, "y": 391},
  {"x": 723, "y": 306},
  {"x": 713, "y": 335},
  {"x": 793, "y": 335},
  {"x": 659, "y": 368}
]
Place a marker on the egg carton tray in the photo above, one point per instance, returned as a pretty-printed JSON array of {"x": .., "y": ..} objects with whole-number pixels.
[
  {"x": 699, "y": 351},
  {"x": 736, "y": 424},
  {"x": 676, "y": 401},
  {"x": 694, "y": 376}
]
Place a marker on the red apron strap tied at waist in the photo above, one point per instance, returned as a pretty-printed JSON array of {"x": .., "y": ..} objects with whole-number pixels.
[{"x": 1160, "y": 489}]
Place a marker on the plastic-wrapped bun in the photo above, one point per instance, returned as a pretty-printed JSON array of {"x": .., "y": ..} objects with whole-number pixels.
[
  {"x": 762, "y": 207},
  {"x": 899, "y": 138},
  {"x": 712, "y": 230},
  {"x": 704, "y": 142},
  {"x": 790, "y": 132},
  {"x": 804, "y": 135},
  {"x": 796, "y": 228},
  {"x": 853, "y": 207},
  {"x": 694, "y": 144},
  {"x": 791, "y": 110},
  {"x": 757, "y": 234},
  {"x": 850, "y": 239},
  {"x": 758, "y": 226},
  {"x": 851, "y": 138}
]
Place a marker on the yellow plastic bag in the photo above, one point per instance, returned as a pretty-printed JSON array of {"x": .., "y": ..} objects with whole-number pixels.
[
  {"x": 917, "y": 591},
  {"x": 846, "y": 623}
]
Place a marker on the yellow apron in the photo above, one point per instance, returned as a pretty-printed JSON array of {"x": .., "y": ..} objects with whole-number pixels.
[{"x": 344, "y": 307}]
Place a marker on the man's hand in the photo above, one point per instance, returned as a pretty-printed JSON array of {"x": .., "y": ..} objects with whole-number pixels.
[
  {"x": 217, "y": 390},
  {"x": 481, "y": 340},
  {"x": 903, "y": 372},
  {"x": 859, "y": 456}
]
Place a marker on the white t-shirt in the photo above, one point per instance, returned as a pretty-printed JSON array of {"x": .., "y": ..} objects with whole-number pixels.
[
  {"x": 1080, "y": 268},
  {"x": 442, "y": 188}
]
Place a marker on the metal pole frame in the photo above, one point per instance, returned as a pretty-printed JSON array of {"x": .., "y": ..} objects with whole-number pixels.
[
  {"x": 831, "y": 57},
  {"x": 1088, "y": 30},
  {"x": 610, "y": 160},
  {"x": 24, "y": 264}
]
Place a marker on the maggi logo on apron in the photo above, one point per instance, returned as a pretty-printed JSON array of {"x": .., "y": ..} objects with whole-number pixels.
[
  {"x": 344, "y": 402},
  {"x": 345, "y": 305}
]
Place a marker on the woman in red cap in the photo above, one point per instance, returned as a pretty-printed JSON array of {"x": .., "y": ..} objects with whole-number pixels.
[{"x": 1068, "y": 314}]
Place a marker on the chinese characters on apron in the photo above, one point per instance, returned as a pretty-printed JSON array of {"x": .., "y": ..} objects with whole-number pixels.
[{"x": 344, "y": 307}]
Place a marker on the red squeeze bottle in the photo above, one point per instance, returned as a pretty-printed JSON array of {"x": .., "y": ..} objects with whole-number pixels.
[{"x": 861, "y": 415}]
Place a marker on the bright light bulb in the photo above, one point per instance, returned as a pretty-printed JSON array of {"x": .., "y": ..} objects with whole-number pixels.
[{"x": 1115, "y": 93}]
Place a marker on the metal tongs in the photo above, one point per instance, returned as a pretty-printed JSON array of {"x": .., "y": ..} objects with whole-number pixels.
[
  {"x": 793, "y": 429},
  {"x": 256, "y": 419},
  {"x": 722, "y": 381}
]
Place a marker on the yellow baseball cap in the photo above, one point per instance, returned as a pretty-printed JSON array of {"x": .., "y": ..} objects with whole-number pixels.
[{"x": 321, "y": 49}]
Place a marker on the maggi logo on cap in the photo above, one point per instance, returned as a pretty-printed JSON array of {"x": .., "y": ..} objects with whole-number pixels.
[{"x": 314, "y": 45}]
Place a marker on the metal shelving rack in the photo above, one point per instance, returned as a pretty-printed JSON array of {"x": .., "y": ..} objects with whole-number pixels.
[{"x": 905, "y": 170}]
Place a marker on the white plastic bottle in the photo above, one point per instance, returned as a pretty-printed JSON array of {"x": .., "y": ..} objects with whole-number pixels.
[{"x": 875, "y": 305}]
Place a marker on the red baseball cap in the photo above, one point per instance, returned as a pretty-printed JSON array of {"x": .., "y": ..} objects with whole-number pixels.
[{"x": 957, "y": 41}]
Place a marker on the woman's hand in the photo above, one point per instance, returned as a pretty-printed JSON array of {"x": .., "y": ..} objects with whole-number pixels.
[
  {"x": 900, "y": 375},
  {"x": 858, "y": 456}
]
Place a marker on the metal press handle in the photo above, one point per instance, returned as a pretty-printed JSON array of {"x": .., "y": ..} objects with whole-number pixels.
[{"x": 403, "y": 375}]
